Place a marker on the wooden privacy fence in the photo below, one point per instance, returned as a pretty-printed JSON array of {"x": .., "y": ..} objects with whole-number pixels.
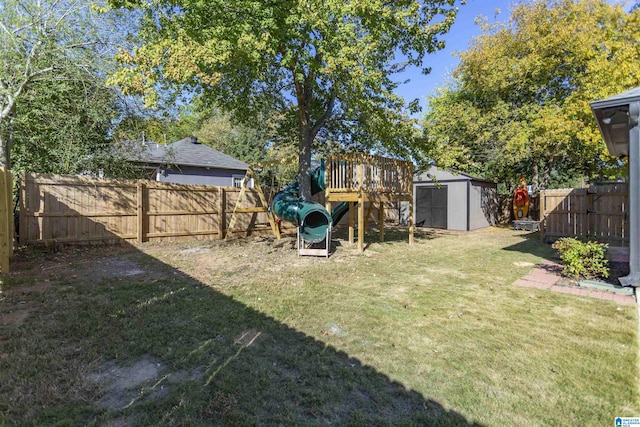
[
  {"x": 599, "y": 212},
  {"x": 6, "y": 219},
  {"x": 73, "y": 209}
]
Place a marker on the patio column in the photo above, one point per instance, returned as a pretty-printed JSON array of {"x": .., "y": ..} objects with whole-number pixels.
[
  {"x": 633, "y": 279},
  {"x": 617, "y": 119}
]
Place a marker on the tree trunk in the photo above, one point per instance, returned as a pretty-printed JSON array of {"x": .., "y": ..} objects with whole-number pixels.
[
  {"x": 307, "y": 131},
  {"x": 545, "y": 178},
  {"x": 6, "y": 137},
  {"x": 305, "y": 138},
  {"x": 535, "y": 179},
  {"x": 3, "y": 147},
  {"x": 304, "y": 161}
]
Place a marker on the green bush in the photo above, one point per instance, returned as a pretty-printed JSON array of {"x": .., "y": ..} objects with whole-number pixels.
[{"x": 582, "y": 259}]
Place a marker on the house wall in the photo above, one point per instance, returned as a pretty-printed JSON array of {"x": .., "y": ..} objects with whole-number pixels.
[{"x": 201, "y": 176}]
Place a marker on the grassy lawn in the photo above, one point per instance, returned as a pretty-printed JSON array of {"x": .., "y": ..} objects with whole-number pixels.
[{"x": 246, "y": 333}]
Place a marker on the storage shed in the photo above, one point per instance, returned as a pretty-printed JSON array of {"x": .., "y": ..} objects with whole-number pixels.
[{"x": 454, "y": 200}]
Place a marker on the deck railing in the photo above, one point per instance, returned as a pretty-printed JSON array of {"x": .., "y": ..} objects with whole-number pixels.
[{"x": 368, "y": 173}]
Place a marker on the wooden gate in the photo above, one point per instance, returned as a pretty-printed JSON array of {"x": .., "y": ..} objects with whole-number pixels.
[{"x": 599, "y": 212}]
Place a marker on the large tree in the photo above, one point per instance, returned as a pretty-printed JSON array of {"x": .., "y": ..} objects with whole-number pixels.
[
  {"x": 62, "y": 127},
  {"x": 519, "y": 99},
  {"x": 43, "y": 43},
  {"x": 328, "y": 64}
]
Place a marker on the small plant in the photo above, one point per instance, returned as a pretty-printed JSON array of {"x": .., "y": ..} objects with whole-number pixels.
[{"x": 582, "y": 259}]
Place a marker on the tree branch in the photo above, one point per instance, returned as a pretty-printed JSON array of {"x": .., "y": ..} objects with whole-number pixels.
[{"x": 327, "y": 114}]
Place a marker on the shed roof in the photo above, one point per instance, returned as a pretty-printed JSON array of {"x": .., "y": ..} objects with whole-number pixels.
[
  {"x": 443, "y": 175},
  {"x": 184, "y": 152}
]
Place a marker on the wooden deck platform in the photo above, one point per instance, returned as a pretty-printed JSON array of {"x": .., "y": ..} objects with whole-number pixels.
[{"x": 362, "y": 178}]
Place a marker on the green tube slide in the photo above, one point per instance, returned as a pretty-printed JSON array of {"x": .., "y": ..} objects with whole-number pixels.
[{"x": 311, "y": 218}]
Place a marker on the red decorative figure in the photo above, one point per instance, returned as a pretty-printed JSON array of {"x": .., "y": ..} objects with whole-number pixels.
[{"x": 521, "y": 200}]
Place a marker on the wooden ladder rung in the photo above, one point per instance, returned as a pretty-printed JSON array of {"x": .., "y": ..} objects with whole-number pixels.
[{"x": 252, "y": 210}]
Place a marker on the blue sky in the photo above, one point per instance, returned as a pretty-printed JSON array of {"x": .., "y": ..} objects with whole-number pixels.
[
  {"x": 463, "y": 30},
  {"x": 443, "y": 62}
]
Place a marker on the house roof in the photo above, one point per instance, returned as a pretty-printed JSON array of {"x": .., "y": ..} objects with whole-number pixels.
[
  {"x": 185, "y": 152},
  {"x": 627, "y": 97},
  {"x": 614, "y": 116}
]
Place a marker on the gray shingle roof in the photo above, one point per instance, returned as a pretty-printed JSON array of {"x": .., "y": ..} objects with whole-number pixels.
[
  {"x": 181, "y": 153},
  {"x": 444, "y": 174}
]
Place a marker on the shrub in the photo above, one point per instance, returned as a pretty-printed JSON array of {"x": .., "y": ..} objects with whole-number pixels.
[{"x": 582, "y": 259}]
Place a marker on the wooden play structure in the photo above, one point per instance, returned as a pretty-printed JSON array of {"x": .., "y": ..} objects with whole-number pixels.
[
  {"x": 362, "y": 178},
  {"x": 356, "y": 179}
]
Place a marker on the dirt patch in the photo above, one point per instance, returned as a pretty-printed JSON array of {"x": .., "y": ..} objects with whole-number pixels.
[
  {"x": 36, "y": 271},
  {"x": 15, "y": 318},
  {"x": 523, "y": 264},
  {"x": 40, "y": 272},
  {"x": 124, "y": 385},
  {"x": 147, "y": 378},
  {"x": 119, "y": 265},
  {"x": 616, "y": 270}
]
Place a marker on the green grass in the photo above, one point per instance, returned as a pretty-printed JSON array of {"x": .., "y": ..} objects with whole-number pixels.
[{"x": 247, "y": 333}]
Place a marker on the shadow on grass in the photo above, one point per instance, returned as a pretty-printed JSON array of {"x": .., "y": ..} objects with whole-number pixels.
[
  {"x": 392, "y": 234},
  {"x": 214, "y": 360},
  {"x": 532, "y": 245},
  {"x": 117, "y": 337}
]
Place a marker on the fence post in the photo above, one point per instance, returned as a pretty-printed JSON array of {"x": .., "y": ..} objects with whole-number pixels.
[
  {"x": 6, "y": 216},
  {"x": 542, "y": 211},
  {"x": 12, "y": 225},
  {"x": 588, "y": 207},
  {"x": 140, "y": 211},
  {"x": 22, "y": 222},
  {"x": 222, "y": 215}
]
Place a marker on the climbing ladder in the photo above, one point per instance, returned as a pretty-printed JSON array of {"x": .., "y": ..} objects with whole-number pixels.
[{"x": 252, "y": 210}]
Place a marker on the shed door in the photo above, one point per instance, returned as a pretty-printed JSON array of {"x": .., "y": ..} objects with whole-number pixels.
[{"x": 431, "y": 207}]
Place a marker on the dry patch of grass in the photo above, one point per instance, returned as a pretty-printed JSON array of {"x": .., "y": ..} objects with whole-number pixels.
[{"x": 246, "y": 332}]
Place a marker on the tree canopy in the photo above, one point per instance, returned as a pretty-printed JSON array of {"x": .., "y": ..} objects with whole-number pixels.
[
  {"x": 209, "y": 124},
  {"x": 44, "y": 43},
  {"x": 519, "y": 100},
  {"x": 326, "y": 67},
  {"x": 62, "y": 127}
]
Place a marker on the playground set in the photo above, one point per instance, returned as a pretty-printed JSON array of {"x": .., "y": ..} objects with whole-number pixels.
[{"x": 349, "y": 182}]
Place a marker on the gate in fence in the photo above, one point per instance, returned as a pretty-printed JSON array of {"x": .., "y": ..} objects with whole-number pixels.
[{"x": 599, "y": 212}]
